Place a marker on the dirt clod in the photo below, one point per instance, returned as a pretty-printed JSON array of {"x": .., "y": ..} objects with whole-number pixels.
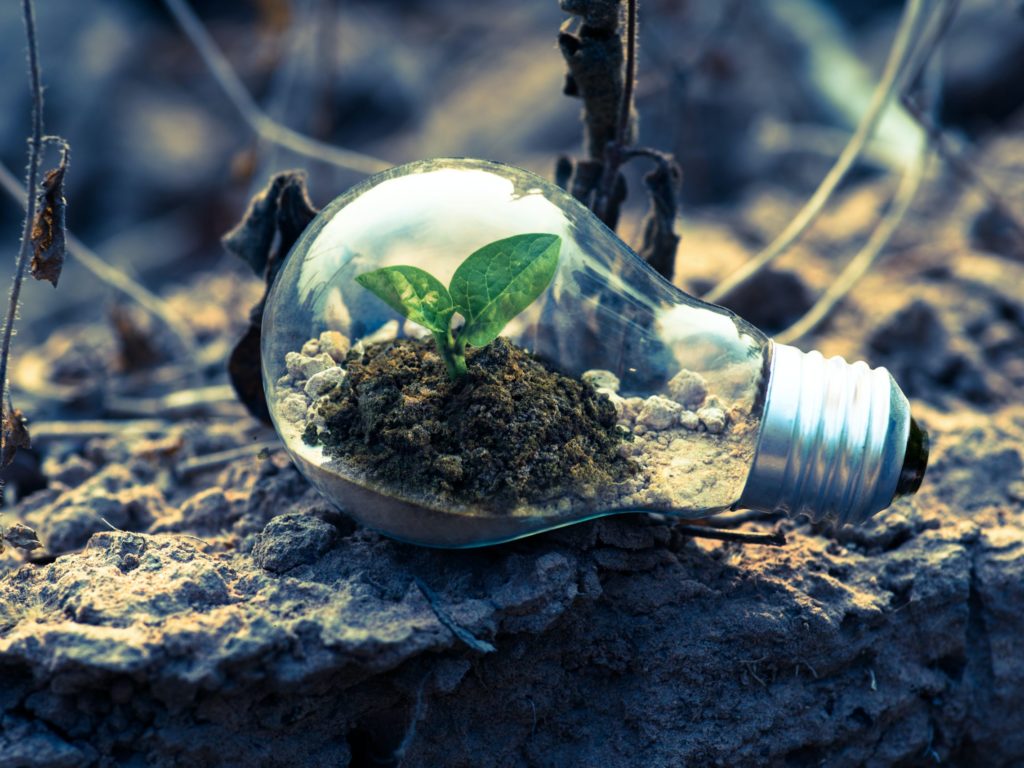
[{"x": 512, "y": 432}]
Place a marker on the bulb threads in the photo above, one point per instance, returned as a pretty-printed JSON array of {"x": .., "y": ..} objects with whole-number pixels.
[{"x": 834, "y": 440}]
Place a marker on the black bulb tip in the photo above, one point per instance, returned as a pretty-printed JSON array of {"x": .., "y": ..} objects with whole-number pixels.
[{"x": 915, "y": 461}]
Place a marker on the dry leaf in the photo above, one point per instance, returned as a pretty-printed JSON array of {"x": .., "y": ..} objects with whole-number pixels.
[
  {"x": 275, "y": 219},
  {"x": 48, "y": 230},
  {"x": 21, "y": 537},
  {"x": 14, "y": 435}
]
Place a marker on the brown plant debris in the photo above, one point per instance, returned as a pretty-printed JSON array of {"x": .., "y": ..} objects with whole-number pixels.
[
  {"x": 20, "y": 536},
  {"x": 512, "y": 433},
  {"x": 15, "y": 435},
  {"x": 49, "y": 235},
  {"x": 271, "y": 225}
]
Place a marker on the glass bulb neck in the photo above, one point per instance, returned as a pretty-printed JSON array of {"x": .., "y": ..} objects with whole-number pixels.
[{"x": 836, "y": 441}]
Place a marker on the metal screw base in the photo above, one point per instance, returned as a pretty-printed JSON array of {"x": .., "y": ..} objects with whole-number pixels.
[{"x": 833, "y": 439}]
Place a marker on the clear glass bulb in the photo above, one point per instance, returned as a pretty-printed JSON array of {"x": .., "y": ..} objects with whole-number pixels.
[{"x": 620, "y": 392}]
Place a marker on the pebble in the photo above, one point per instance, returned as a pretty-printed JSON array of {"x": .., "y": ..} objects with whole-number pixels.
[
  {"x": 313, "y": 414},
  {"x": 293, "y": 361},
  {"x": 384, "y": 334},
  {"x": 323, "y": 382},
  {"x": 659, "y": 413},
  {"x": 600, "y": 379},
  {"x": 335, "y": 344},
  {"x": 311, "y": 348},
  {"x": 713, "y": 419},
  {"x": 414, "y": 330},
  {"x": 688, "y": 388},
  {"x": 689, "y": 420},
  {"x": 317, "y": 364},
  {"x": 303, "y": 366},
  {"x": 293, "y": 407},
  {"x": 631, "y": 407}
]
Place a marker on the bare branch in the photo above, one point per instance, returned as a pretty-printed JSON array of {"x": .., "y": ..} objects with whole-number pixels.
[
  {"x": 890, "y": 82},
  {"x": 35, "y": 149},
  {"x": 185, "y": 402},
  {"x": 866, "y": 257},
  {"x": 55, "y": 431},
  {"x": 119, "y": 281},
  {"x": 777, "y": 539},
  {"x": 210, "y": 461},
  {"x": 964, "y": 170},
  {"x": 259, "y": 121}
]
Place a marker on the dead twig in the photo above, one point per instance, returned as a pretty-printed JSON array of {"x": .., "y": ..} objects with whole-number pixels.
[
  {"x": 211, "y": 461},
  {"x": 35, "y": 151},
  {"x": 122, "y": 283},
  {"x": 463, "y": 634},
  {"x": 734, "y": 519},
  {"x": 866, "y": 257},
  {"x": 186, "y": 402},
  {"x": 602, "y": 64},
  {"x": 888, "y": 85},
  {"x": 259, "y": 121},
  {"x": 964, "y": 170},
  {"x": 614, "y": 151},
  {"x": 776, "y": 539},
  {"x": 55, "y": 431}
]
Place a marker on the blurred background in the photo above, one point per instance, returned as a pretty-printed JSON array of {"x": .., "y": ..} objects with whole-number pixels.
[{"x": 755, "y": 99}]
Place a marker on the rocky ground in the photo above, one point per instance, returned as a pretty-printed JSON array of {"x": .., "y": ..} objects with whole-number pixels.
[{"x": 196, "y": 603}]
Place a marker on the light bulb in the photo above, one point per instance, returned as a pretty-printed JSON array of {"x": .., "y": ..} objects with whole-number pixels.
[{"x": 612, "y": 392}]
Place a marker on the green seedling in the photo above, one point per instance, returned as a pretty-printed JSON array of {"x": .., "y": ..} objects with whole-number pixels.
[{"x": 492, "y": 286}]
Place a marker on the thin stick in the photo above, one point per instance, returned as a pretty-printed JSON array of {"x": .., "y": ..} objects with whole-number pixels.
[
  {"x": 35, "y": 148},
  {"x": 186, "y": 401},
  {"x": 777, "y": 539},
  {"x": 205, "y": 463},
  {"x": 733, "y": 519},
  {"x": 866, "y": 257},
  {"x": 113, "y": 277},
  {"x": 963, "y": 169},
  {"x": 898, "y": 55},
  {"x": 259, "y": 121},
  {"x": 52, "y": 431},
  {"x": 629, "y": 84},
  {"x": 614, "y": 152}
]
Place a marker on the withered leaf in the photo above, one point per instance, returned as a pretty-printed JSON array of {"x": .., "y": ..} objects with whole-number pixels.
[
  {"x": 21, "y": 537},
  {"x": 49, "y": 228},
  {"x": 283, "y": 206},
  {"x": 275, "y": 219},
  {"x": 14, "y": 435},
  {"x": 660, "y": 241}
]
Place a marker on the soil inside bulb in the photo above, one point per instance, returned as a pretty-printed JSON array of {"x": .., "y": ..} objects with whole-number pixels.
[
  {"x": 512, "y": 448},
  {"x": 511, "y": 432}
]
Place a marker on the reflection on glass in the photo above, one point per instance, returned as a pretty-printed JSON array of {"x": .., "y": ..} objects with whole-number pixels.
[{"x": 663, "y": 390}]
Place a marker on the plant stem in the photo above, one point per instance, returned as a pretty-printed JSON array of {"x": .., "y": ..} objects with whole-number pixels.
[
  {"x": 35, "y": 147},
  {"x": 893, "y": 77},
  {"x": 258, "y": 121},
  {"x": 452, "y": 353}
]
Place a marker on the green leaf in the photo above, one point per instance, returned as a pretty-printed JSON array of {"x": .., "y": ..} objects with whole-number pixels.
[
  {"x": 499, "y": 281},
  {"x": 412, "y": 293}
]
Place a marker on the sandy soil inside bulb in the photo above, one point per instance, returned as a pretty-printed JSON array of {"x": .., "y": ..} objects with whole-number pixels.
[{"x": 683, "y": 452}]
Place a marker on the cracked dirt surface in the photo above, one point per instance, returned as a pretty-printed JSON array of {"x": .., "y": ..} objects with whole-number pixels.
[
  {"x": 232, "y": 617},
  {"x": 288, "y": 636}
]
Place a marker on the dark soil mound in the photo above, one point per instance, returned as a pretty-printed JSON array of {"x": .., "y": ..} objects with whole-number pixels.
[{"x": 510, "y": 432}]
